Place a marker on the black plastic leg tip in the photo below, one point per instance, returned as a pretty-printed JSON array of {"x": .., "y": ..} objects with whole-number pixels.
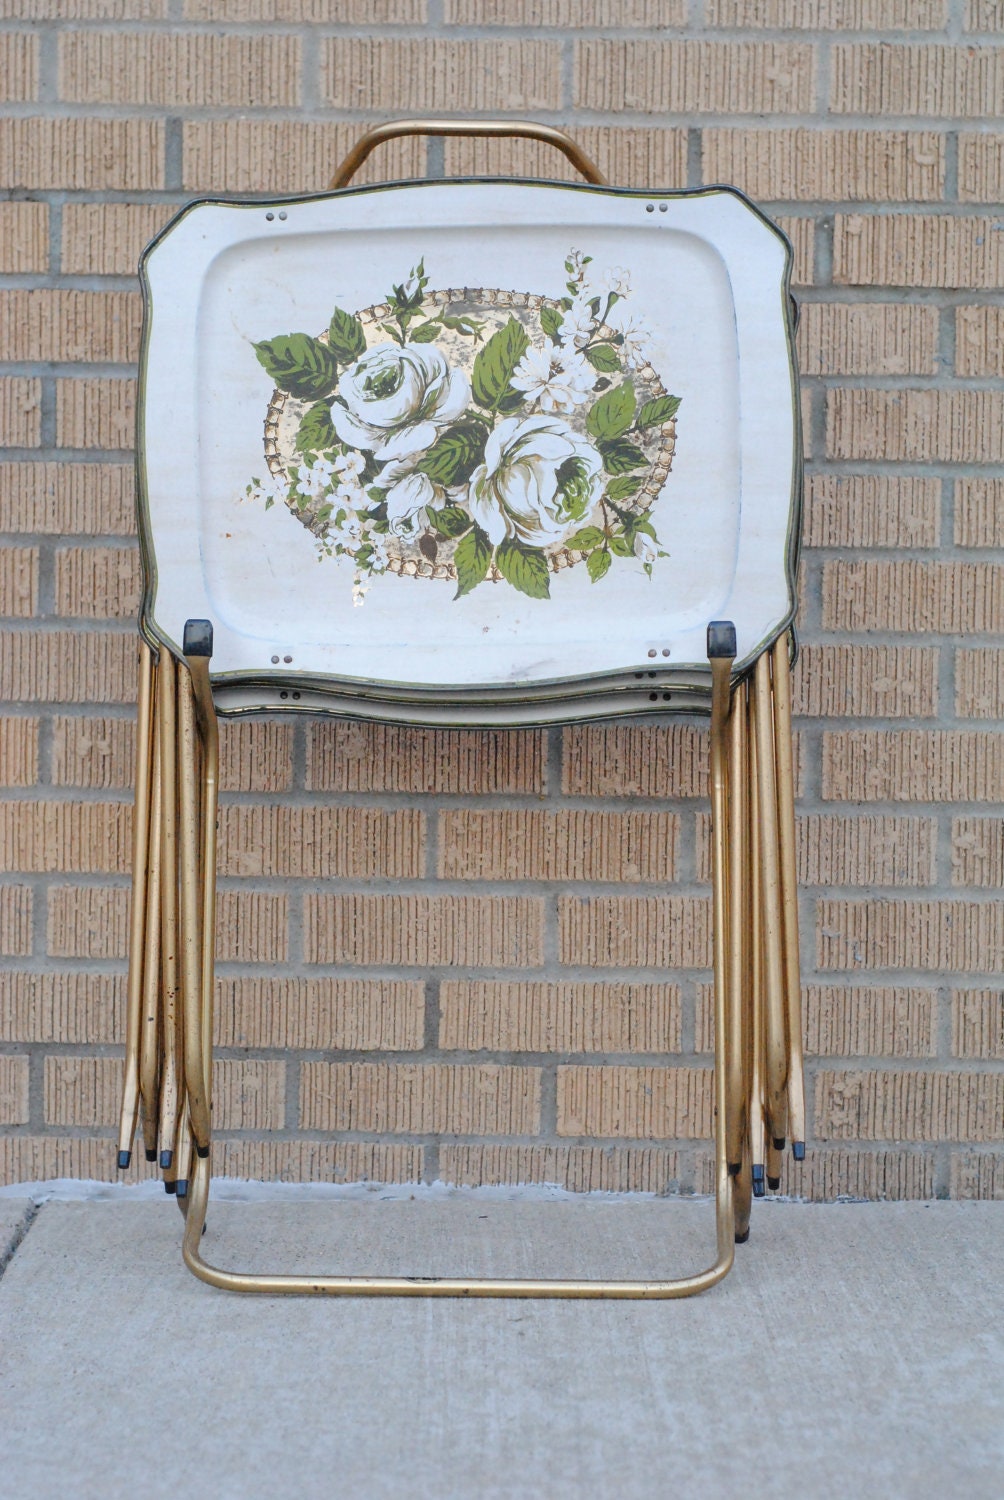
[
  {"x": 170, "y": 1187},
  {"x": 181, "y": 1187},
  {"x": 773, "y": 1183},
  {"x": 798, "y": 1150},
  {"x": 743, "y": 1237},
  {"x": 735, "y": 1167},
  {"x": 125, "y": 1157},
  {"x": 202, "y": 1152},
  {"x": 779, "y": 1144},
  {"x": 151, "y": 1155},
  {"x": 166, "y": 1158}
]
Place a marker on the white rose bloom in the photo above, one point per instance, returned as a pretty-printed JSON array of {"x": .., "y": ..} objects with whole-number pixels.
[
  {"x": 559, "y": 379},
  {"x": 407, "y": 498},
  {"x": 516, "y": 492},
  {"x": 396, "y": 398}
]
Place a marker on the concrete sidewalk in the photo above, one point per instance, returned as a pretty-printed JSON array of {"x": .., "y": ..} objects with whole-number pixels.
[{"x": 855, "y": 1350}]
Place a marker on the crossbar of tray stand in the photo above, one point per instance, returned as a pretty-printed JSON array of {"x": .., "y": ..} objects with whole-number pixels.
[
  {"x": 129, "y": 1114},
  {"x": 548, "y": 135},
  {"x": 203, "y": 860}
]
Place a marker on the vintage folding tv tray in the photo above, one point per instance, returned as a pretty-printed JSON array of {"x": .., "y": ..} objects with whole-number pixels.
[{"x": 468, "y": 452}]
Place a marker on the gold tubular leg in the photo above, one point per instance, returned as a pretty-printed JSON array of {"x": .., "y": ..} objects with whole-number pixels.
[
  {"x": 775, "y": 1081},
  {"x": 196, "y": 1086},
  {"x": 150, "y": 1041},
  {"x": 208, "y": 800},
  {"x": 172, "y": 1087},
  {"x": 754, "y": 897},
  {"x": 781, "y": 676},
  {"x": 408, "y": 1286},
  {"x": 735, "y": 1117},
  {"x": 140, "y": 843}
]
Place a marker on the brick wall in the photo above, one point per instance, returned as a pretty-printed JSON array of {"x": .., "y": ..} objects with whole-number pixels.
[{"x": 485, "y": 956}]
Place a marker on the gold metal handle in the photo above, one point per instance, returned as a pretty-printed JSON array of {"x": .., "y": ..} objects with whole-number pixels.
[{"x": 526, "y": 129}]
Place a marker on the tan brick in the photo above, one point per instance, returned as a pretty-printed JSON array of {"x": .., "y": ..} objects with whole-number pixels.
[
  {"x": 18, "y": 67},
  {"x": 981, "y": 179},
  {"x": 631, "y": 760},
  {"x": 909, "y": 1106},
  {"x": 87, "y": 921},
  {"x": 870, "y": 510},
  {"x": 62, "y": 499},
  {"x": 638, "y": 156},
  {"x": 106, "y": 239},
  {"x": 98, "y": 583},
  {"x": 347, "y": 1014},
  {"x": 633, "y": 931},
  {"x": 570, "y": 844},
  {"x": 71, "y": 327},
  {"x": 802, "y": 234},
  {"x": 318, "y": 1161},
  {"x": 851, "y": 851},
  {"x": 936, "y": 250},
  {"x": 885, "y": 78},
  {"x": 867, "y": 339},
  {"x": 18, "y": 752},
  {"x": 977, "y": 1174},
  {"x": 978, "y": 1024},
  {"x": 255, "y": 755},
  {"x": 571, "y": 13},
  {"x": 20, "y": 411},
  {"x": 93, "y": 753},
  {"x": 577, "y": 1169},
  {"x": 921, "y": 426},
  {"x": 86, "y": 837},
  {"x": 18, "y": 582},
  {"x": 82, "y": 1009},
  {"x": 391, "y": 73},
  {"x": 913, "y": 765},
  {"x": 84, "y": 10},
  {"x": 959, "y": 937},
  {"x": 978, "y": 852},
  {"x": 247, "y": 1095},
  {"x": 830, "y": 15},
  {"x": 355, "y": 843},
  {"x": 952, "y": 598},
  {"x": 288, "y": 156},
  {"x": 39, "y": 1158},
  {"x": 839, "y": 165},
  {"x": 252, "y": 927},
  {"x": 978, "y": 337},
  {"x": 193, "y": 68},
  {"x": 491, "y": 1015},
  {"x": 13, "y": 1091},
  {"x": 15, "y": 920},
  {"x": 98, "y": 155},
  {"x": 357, "y": 757},
  {"x": 979, "y": 684},
  {"x": 979, "y": 512},
  {"x": 345, "y": 12},
  {"x": 483, "y": 931},
  {"x": 830, "y": 1173},
  {"x": 414, "y": 1098},
  {"x": 24, "y": 237},
  {"x": 861, "y": 1021},
  {"x": 97, "y": 413},
  {"x": 890, "y": 682},
  {"x": 636, "y": 1103},
  {"x": 63, "y": 666},
  {"x": 983, "y": 15},
  {"x": 695, "y": 77}
]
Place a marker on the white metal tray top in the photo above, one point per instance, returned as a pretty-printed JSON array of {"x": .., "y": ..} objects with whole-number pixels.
[{"x": 468, "y": 443}]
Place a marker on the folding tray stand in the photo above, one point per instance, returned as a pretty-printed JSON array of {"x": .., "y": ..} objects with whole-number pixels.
[{"x": 468, "y": 452}]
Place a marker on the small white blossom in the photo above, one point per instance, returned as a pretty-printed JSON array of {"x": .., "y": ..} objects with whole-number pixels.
[
  {"x": 645, "y": 549},
  {"x": 559, "y": 380},
  {"x": 577, "y": 324},
  {"x": 615, "y": 280},
  {"x": 636, "y": 335},
  {"x": 380, "y": 558},
  {"x": 350, "y": 465}
]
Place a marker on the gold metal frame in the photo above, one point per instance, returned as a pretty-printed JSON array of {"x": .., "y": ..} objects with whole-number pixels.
[{"x": 758, "y": 1091}]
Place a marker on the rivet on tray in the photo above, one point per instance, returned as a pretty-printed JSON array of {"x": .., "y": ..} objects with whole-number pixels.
[
  {"x": 275, "y": 661},
  {"x": 650, "y": 208},
  {"x": 282, "y": 213},
  {"x": 653, "y": 652},
  {"x": 663, "y": 208},
  {"x": 284, "y": 695},
  {"x": 270, "y": 216},
  {"x": 665, "y": 650},
  {"x": 287, "y": 660}
]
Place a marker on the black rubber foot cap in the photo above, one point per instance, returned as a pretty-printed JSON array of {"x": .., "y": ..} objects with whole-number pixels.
[
  {"x": 773, "y": 1183},
  {"x": 758, "y": 1188},
  {"x": 742, "y": 1238},
  {"x": 181, "y": 1188},
  {"x": 779, "y": 1144},
  {"x": 151, "y": 1155},
  {"x": 170, "y": 1187},
  {"x": 202, "y": 1152},
  {"x": 166, "y": 1158},
  {"x": 757, "y": 1172},
  {"x": 125, "y": 1157},
  {"x": 798, "y": 1150},
  {"x": 735, "y": 1167}
]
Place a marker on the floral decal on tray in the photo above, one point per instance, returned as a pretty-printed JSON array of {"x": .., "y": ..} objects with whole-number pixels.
[{"x": 473, "y": 435}]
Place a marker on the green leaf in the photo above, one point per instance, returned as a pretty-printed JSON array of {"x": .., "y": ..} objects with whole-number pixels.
[
  {"x": 525, "y": 568},
  {"x": 451, "y": 521},
  {"x": 603, "y": 357},
  {"x": 472, "y": 557},
  {"x": 586, "y": 539},
  {"x": 598, "y": 564},
  {"x": 612, "y": 413},
  {"x": 300, "y": 365},
  {"x": 496, "y": 362},
  {"x": 621, "y": 456},
  {"x": 315, "y": 433},
  {"x": 425, "y": 332},
  {"x": 463, "y": 323},
  {"x": 551, "y": 321},
  {"x": 654, "y": 413},
  {"x": 621, "y": 546},
  {"x": 453, "y": 458},
  {"x": 346, "y": 339},
  {"x": 624, "y": 488}
]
